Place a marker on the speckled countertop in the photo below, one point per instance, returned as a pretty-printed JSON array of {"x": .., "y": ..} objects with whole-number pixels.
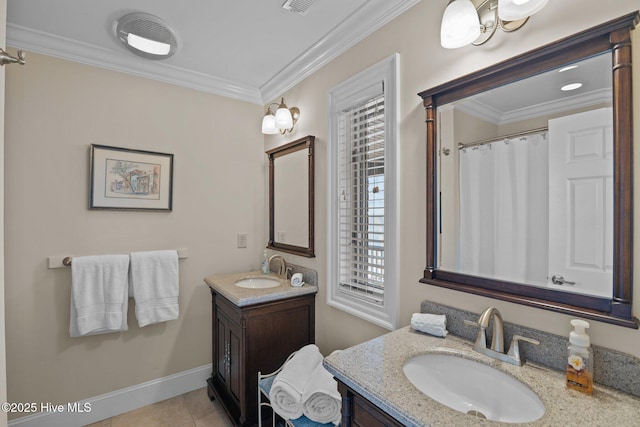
[
  {"x": 374, "y": 369},
  {"x": 225, "y": 286}
]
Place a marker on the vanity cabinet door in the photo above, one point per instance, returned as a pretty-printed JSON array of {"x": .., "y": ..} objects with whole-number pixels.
[
  {"x": 228, "y": 355},
  {"x": 359, "y": 412}
]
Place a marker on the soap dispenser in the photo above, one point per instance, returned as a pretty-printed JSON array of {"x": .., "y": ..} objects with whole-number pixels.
[
  {"x": 265, "y": 262},
  {"x": 580, "y": 358}
]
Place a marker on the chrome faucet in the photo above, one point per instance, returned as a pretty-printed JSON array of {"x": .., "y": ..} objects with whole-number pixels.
[
  {"x": 497, "y": 338},
  {"x": 282, "y": 269}
]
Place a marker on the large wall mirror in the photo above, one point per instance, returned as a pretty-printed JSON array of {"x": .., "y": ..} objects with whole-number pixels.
[
  {"x": 530, "y": 178},
  {"x": 291, "y": 197}
]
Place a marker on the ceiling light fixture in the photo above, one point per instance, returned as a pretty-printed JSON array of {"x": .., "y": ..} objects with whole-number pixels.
[
  {"x": 571, "y": 86},
  {"x": 282, "y": 122},
  {"x": 465, "y": 23},
  {"x": 146, "y": 35},
  {"x": 567, "y": 68}
]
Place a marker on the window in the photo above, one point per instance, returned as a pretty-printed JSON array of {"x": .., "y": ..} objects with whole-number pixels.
[{"x": 362, "y": 255}]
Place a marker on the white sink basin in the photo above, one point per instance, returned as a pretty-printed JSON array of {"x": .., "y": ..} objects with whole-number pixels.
[
  {"x": 473, "y": 388},
  {"x": 258, "y": 282}
]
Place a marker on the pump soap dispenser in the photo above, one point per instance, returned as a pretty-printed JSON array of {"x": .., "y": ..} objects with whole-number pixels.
[{"x": 580, "y": 359}]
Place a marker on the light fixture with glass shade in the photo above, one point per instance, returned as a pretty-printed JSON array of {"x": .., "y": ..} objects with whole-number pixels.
[
  {"x": 146, "y": 35},
  {"x": 514, "y": 10},
  {"x": 460, "y": 24},
  {"x": 282, "y": 122},
  {"x": 464, "y": 23}
]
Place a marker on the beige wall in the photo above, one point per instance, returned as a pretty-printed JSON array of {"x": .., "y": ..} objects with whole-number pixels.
[
  {"x": 424, "y": 64},
  {"x": 54, "y": 110}
]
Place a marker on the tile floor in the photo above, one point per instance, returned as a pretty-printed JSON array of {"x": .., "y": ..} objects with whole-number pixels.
[{"x": 193, "y": 409}]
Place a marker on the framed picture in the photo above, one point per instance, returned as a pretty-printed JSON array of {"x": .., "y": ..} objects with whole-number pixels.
[{"x": 130, "y": 179}]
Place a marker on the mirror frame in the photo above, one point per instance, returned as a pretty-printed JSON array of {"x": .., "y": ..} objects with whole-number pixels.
[
  {"x": 615, "y": 37},
  {"x": 306, "y": 143}
]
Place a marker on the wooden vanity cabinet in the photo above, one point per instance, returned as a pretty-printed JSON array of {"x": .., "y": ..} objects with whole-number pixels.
[
  {"x": 254, "y": 338},
  {"x": 357, "y": 411}
]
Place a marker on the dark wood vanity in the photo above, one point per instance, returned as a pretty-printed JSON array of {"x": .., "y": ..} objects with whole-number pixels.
[
  {"x": 254, "y": 338},
  {"x": 358, "y": 411}
]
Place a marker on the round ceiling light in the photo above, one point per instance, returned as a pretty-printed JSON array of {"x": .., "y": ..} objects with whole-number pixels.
[{"x": 146, "y": 35}]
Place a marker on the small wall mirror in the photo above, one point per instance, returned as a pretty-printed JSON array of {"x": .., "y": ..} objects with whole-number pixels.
[
  {"x": 291, "y": 197},
  {"x": 529, "y": 188}
]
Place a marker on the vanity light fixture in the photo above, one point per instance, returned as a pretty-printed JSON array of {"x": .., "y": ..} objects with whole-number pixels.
[
  {"x": 465, "y": 23},
  {"x": 282, "y": 121},
  {"x": 146, "y": 35}
]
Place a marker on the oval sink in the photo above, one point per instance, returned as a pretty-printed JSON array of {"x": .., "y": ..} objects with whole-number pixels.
[
  {"x": 258, "y": 282},
  {"x": 473, "y": 388}
]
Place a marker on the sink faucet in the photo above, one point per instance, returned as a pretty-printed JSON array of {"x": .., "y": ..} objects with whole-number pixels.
[
  {"x": 497, "y": 338},
  {"x": 282, "y": 269}
]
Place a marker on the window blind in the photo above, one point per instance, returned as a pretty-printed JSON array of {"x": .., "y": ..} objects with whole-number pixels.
[{"x": 361, "y": 164}]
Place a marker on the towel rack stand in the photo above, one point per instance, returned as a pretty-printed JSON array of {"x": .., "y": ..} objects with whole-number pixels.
[{"x": 65, "y": 261}]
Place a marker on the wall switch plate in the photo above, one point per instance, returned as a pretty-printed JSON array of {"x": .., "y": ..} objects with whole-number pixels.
[
  {"x": 282, "y": 236},
  {"x": 242, "y": 240}
]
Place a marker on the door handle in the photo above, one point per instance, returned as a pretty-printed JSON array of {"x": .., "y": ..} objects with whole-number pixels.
[{"x": 559, "y": 280}]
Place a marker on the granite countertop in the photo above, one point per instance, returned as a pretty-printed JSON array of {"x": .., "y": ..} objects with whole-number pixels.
[
  {"x": 225, "y": 286},
  {"x": 374, "y": 369}
]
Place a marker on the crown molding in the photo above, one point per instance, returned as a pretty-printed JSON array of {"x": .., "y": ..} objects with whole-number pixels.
[
  {"x": 491, "y": 115},
  {"x": 48, "y": 44},
  {"x": 357, "y": 26}
]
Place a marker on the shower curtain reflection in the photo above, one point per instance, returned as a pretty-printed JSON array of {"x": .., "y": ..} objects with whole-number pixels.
[{"x": 504, "y": 188}]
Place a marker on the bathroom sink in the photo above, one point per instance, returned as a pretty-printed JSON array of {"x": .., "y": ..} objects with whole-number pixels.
[
  {"x": 473, "y": 388},
  {"x": 258, "y": 282}
]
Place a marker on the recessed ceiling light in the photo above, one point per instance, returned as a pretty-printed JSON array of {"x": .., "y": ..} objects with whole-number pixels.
[
  {"x": 146, "y": 35},
  {"x": 570, "y": 67},
  {"x": 571, "y": 86}
]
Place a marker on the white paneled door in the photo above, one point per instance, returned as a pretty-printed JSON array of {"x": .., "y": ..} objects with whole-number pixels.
[{"x": 581, "y": 203}]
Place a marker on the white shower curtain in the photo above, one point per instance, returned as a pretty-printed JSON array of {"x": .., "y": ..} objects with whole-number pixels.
[{"x": 504, "y": 209}]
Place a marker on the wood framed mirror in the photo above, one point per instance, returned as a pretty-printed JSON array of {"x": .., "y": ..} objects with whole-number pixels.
[
  {"x": 613, "y": 39},
  {"x": 291, "y": 197}
]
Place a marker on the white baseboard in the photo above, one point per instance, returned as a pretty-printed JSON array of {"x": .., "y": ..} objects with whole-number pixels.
[{"x": 118, "y": 402}]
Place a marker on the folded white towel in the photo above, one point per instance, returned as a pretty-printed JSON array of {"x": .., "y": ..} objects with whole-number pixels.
[
  {"x": 155, "y": 286},
  {"x": 321, "y": 401},
  {"x": 99, "y": 294},
  {"x": 287, "y": 388},
  {"x": 433, "y": 324}
]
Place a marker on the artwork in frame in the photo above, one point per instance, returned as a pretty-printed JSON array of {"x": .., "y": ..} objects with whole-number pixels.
[{"x": 122, "y": 178}]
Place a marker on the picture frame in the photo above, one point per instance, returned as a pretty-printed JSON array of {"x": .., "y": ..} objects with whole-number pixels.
[{"x": 127, "y": 179}]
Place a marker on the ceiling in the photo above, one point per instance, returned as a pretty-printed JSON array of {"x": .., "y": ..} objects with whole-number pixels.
[
  {"x": 251, "y": 50},
  {"x": 540, "y": 95}
]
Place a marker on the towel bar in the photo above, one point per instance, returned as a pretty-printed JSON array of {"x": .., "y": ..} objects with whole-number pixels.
[{"x": 65, "y": 261}]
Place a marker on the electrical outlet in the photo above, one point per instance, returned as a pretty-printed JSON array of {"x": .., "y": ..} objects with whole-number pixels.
[
  {"x": 282, "y": 236},
  {"x": 242, "y": 240}
]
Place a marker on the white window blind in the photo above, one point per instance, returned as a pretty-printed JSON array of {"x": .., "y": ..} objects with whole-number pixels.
[{"x": 361, "y": 211}]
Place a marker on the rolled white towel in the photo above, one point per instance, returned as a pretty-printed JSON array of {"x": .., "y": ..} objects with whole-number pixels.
[
  {"x": 433, "y": 324},
  {"x": 321, "y": 401},
  {"x": 285, "y": 400},
  {"x": 286, "y": 392}
]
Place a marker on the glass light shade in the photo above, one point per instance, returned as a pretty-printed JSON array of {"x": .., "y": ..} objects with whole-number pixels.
[
  {"x": 148, "y": 45},
  {"x": 460, "y": 24},
  {"x": 514, "y": 10},
  {"x": 269, "y": 124},
  {"x": 283, "y": 118}
]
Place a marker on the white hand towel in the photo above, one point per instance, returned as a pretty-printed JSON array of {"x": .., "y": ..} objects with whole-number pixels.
[
  {"x": 433, "y": 324},
  {"x": 321, "y": 401},
  {"x": 99, "y": 294},
  {"x": 155, "y": 286},
  {"x": 286, "y": 392}
]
